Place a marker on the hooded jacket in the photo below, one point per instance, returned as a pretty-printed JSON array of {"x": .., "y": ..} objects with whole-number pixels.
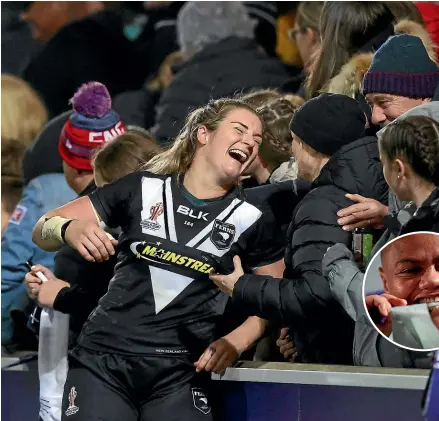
[
  {"x": 303, "y": 299},
  {"x": 220, "y": 70}
]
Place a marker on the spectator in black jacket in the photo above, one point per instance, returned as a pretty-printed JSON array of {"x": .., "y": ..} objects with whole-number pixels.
[
  {"x": 331, "y": 152},
  {"x": 217, "y": 40}
]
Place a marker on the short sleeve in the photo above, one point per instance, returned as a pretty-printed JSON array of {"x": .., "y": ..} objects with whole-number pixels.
[
  {"x": 266, "y": 244},
  {"x": 111, "y": 202}
]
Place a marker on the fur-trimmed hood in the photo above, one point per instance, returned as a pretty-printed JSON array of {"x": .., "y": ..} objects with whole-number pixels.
[{"x": 350, "y": 79}]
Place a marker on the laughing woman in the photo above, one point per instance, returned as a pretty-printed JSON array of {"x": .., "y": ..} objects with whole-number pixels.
[{"x": 181, "y": 218}]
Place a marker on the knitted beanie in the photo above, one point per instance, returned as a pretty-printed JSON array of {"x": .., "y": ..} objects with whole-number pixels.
[
  {"x": 92, "y": 123},
  {"x": 329, "y": 122},
  {"x": 401, "y": 66}
]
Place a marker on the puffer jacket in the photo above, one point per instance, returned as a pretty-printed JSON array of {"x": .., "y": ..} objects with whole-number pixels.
[{"x": 319, "y": 326}]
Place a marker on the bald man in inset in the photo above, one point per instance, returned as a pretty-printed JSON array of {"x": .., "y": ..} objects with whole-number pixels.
[{"x": 410, "y": 274}]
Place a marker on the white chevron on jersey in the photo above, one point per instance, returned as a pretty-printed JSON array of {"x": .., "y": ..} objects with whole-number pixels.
[
  {"x": 166, "y": 285},
  {"x": 170, "y": 211}
]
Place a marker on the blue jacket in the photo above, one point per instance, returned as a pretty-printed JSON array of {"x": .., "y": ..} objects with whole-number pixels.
[{"x": 42, "y": 194}]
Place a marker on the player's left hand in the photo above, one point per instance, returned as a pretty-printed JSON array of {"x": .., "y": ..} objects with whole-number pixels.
[
  {"x": 226, "y": 283},
  {"x": 218, "y": 356}
]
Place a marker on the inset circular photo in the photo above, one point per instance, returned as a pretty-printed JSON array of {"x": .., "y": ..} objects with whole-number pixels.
[{"x": 401, "y": 291}]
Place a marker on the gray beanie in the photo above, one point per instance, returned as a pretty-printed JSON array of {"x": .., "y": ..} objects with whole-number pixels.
[{"x": 200, "y": 23}]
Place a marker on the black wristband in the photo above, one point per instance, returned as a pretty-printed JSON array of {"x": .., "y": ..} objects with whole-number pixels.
[{"x": 64, "y": 228}]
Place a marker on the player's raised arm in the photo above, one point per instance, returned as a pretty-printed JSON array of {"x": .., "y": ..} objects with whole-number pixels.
[{"x": 77, "y": 224}]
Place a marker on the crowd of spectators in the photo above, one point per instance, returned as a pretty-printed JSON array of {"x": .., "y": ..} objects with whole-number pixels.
[{"x": 347, "y": 95}]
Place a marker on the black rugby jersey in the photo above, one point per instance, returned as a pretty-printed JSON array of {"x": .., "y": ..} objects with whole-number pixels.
[{"x": 161, "y": 300}]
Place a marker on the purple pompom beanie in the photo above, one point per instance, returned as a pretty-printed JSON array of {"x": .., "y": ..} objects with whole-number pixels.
[{"x": 92, "y": 123}]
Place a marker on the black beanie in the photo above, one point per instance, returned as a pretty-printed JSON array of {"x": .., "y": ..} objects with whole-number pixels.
[{"x": 328, "y": 122}]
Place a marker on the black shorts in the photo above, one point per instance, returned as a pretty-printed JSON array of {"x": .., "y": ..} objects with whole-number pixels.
[{"x": 112, "y": 387}]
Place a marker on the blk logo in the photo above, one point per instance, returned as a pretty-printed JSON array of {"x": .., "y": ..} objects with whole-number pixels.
[{"x": 184, "y": 210}]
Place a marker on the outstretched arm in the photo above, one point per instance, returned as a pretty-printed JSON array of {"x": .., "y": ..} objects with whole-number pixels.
[
  {"x": 225, "y": 351},
  {"x": 77, "y": 224}
]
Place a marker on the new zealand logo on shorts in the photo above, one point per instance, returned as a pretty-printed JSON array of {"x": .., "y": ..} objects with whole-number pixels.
[
  {"x": 200, "y": 400},
  {"x": 222, "y": 234},
  {"x": 151, "y": 223}
]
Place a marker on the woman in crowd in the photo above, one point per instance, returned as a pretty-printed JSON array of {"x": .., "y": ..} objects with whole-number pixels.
[
  {"x": 305, "y": 34},
  {"x": 410, "y": 155},
  {"x": 346, "y": 31},
  {"x": 306, "y": 31},
  {"x": 23, "y": 112},
  {"x": 331, "y": 151},
  {"x": 160, "y": 311}
]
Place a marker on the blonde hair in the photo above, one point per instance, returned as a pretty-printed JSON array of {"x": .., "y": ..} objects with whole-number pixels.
[
  {"x": 178, "y": 158},
  {"x": 23, "y": 112}
]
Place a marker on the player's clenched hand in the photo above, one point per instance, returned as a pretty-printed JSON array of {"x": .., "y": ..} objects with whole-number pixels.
[
  {"x": 218, "y": 356},
  {"x": 366, "y": 213},
  {"x": 91, "y": 241},
  {"x": 226, "y": 283}
]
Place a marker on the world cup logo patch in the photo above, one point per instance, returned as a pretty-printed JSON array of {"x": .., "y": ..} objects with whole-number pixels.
[
  {"x": 151, "y": 223},
  {"x": 72, "y": 409}
]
